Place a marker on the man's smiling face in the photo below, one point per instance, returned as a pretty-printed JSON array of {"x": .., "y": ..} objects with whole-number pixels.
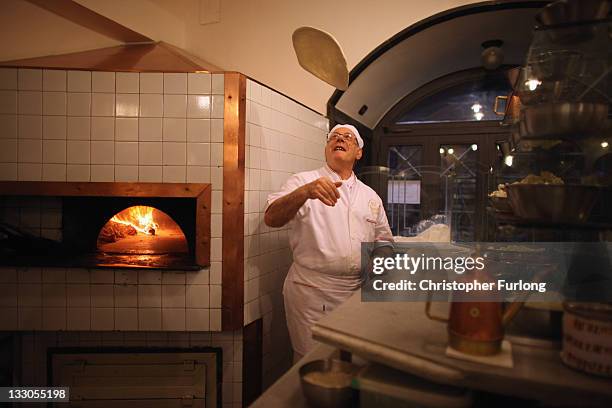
[{"x": 342, "y": 148}]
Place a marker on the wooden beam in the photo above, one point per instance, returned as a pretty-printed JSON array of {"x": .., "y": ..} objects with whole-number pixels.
[
  {"x": 87, "y": 18},
  {"x": 234, "y": 125}
]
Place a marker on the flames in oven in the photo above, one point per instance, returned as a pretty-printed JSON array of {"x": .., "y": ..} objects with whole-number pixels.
[{"x": 141, "y": 230}]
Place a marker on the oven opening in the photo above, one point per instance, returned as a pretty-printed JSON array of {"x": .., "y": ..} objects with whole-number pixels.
[{"x": 141, "y": 229}]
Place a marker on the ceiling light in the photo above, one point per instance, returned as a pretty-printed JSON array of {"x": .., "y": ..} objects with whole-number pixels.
[
  {"x": 442, "y": 150},
  {"x": 476, "y": 107},
  {"x": 508, "y": 160},
  {"x": 479, "y": 115},
  {"x": 604, "y": 144},
  {"x": 474, "y": 147},
  {"x": 532, "y": 84},
  {"x": 451, "y": 150}
]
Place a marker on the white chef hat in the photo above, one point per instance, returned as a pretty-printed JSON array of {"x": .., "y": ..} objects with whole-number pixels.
[{"x": 352, "y": 129}]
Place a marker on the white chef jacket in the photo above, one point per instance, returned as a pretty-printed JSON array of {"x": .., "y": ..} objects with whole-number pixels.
[{"x": 326, "y": 244}]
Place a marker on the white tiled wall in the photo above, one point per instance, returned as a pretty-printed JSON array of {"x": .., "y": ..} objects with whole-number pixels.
[
  {"x": 58, "y": 125},
  {"x": 282, "y": 138},
  {"x": 34, "y": 352}
]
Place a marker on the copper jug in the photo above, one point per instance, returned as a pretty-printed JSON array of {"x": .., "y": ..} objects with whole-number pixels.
[{"x": 476, "y": 326}]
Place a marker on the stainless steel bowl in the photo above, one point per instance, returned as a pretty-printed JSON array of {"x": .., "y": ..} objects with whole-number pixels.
[
  {"x": 563, "y": 119},
  {"x": 324, "y": 392},
  {"x": 552, "y": 202}
]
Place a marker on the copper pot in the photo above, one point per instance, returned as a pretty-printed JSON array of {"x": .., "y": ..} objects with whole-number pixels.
[{"x": 476, "y": 326}]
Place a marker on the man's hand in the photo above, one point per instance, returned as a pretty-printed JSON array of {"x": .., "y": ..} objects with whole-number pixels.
[{"x": 324, "y": 189}]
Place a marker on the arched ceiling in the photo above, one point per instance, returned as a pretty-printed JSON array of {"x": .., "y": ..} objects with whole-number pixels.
[{"x": 442, "y": 44}]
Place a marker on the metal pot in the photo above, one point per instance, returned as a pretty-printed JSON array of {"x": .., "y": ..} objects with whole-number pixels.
[
  {"x": 552, "y": 202},
  {"x": 324, "y": 393},
  {"x": 563, "y": 119}
]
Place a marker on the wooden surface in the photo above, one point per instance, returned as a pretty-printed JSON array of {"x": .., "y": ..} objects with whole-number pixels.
[
  {"x": 150, "y": 57},
  {"x": 398, "y": 334},
  {"x": 234, "y": 131}
]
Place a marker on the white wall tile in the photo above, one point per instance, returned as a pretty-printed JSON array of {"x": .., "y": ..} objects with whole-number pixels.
[
  {"x": 198, "y": 130},
  {"x": 8, "y": 78},
  {"x": 102, "y": 152},
  {"x": 173, "y": 319},
  {"x": 215, "y": 319},
  {"x": 127, "y": 82},
  {"x": 54, "y": 172},
  {"x": 218, "y": 84},
  {"x": 102, "y": 172},
  {"x": 78, "y": 152},
  {"x": 198, "y": 106},
  {"x": 126, "y": 173},
  {"x": 150, "y": 153},
  {"x": 198, "y": 154},
  {"x": 77, "y": 172},
  {"x": 30, "y": 151},
  {"x": 30, "y": 79},
  {"x": 103, "y": 82},
  {"x": 126, "y": 129},
  {"x": 8, "y": 172},
  {"x": 126, "y": 295},
  {"x": 197, "y": 296},
  {"x": 175, "y": 106},
  {"x": 79, "y": 81},
  {"x": 54, "y": 151},
  {"x": 150, "y": 174},
  {"x": 8, "y": 102},
  {"x": 30, "y": 318},
  {"x": 216, "y": 130},
  {"x": 150, "y": 129},
  {"x": 149, "y": 277},
  {"x": 78, "y": 295},
  {"x": 216, "y": 154},
  {"x": 197, "y": 320},
  {"x": 29, "y": 172},
  {"x": 126, "y": 318},
  {"x": 54, "y": 80},
  {"x": 78, "y": 104},
  {"x": 54, "y": 318},
  {"x": 8, "y": 150},
  {"x": 102, "y": 318},
  {"x": 175, "y": 83},
  {"x": 174, "y": 174},
  {"x": 198, "y": 174},
  {"x": 151, "y": 105},
  {"x": 54, "y": 103},
  {"x": 29, "y": 127},
  {"x": 151, "y": 83},
  {"x": 150, "y": 319},
  {"x": 198, "y": 83},
  {"x": 8, "y": 126},
  {"x": 127, "y": 105},
  {"x": 217, "y": 106},
  {"x": 149, "y": 296},
  {"x": 78, "y": 128},
  {"x": 174, "y": 153},
  {"x": 102, "y": 104},
  {"x": 102, "y": 128},
  {"x": 173, "y": 296},
  {"x": 174, "y": 129},
  {"x": 126, "y": 153},
  {"x": 29, "y": 103},
  {"x": 54, "y": 127}
]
